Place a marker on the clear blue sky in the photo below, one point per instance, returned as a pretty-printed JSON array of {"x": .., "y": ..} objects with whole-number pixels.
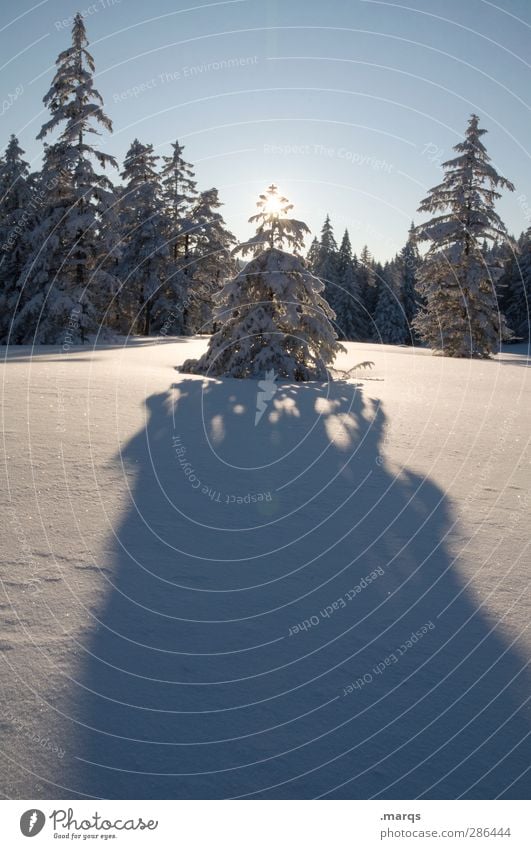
[{"x": 348, "y": 105}]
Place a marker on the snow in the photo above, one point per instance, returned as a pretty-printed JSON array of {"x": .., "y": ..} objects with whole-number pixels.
[{"x": 155, "y": 632}]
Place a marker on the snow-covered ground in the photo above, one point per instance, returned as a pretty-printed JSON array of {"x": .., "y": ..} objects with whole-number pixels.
[{"x": 184, "y": 613}]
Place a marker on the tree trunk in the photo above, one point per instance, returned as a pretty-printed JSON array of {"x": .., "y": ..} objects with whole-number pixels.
[{"x": 147, "y": 320}]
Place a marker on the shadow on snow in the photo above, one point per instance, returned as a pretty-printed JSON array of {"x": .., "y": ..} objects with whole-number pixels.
[{"x": 198, "y": 683}]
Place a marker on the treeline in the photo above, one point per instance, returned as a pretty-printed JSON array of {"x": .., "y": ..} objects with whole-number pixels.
[
  {"x": 141, "y": 258},
  {"x": 371, "y": 301},
  {"x": 79, "y": 252},
  {"x": 514, "y": 288},
  {"x": 147, "y": 256},
  {"x": 379, "y": 302}
]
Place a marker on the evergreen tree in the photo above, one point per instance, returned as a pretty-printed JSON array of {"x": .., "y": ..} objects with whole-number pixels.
[
  {"x": 389, "y": 317},
  {"x": 351, "y": 318},
  {"x": 211, "y": 261},
  {"x": 179, "y": 195},
  {"x": 274, "y": 229},
  {"x": 368, "y": 285},
  {"x": 374, "y": 292},
  {"x": 517, "y": 298},
  {"x": 273, "y": 318},
  {"x": 312, "y": 257},
  {"x": 72, "y": 238},
  {"x": 504, "y": 254},
  {"x": 407, "y": 264},
  {"x": 15, "y": 208},
  {"x": 326, "y": 264},
  {"x": 328, "y": 241},
  {"x": 47, "y": 305},
  {"x": 144, "y": 262},
  {"x": 461, "y": 316}
]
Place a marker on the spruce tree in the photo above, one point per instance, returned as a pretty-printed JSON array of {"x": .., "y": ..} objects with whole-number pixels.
[
  {"x": 143, "y": 265},
  {"x": 326, "y": 264},
  {"x": 272, "y": 316},
  {"x": 16, "y": 196},
  {"x": 179, "y": 195},
  {"x": 389, "y": 318},
  {"x": 211, "y": 261},
  {"x": 351, "y": 318},
  {"x": 517, "y": 298},
  {"x": 407, "y": 264},
  {"x": 506, "y": 255},
  {"x": 461, "y": 317},
  {"x": 328, "y": 240},
  {"x": 312, "y": 257},
  {"x": 47, "y": 303},
  {"x": 74, "y": 234},
  {"x": 368, "y": 285}
]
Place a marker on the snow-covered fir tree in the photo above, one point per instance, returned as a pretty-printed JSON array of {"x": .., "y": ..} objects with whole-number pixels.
[
  {"x": 374, "y": 292},
  {"x": 351, "y": 318},
  {"x": 274, "y": 228},
  {"x": 210, "y": 262},
  {"x": 143, "y": 267},
  {"x": 407, "y": 264},
  {"x": 179, "y": 195},
  {"x": 368, "y": 284},
  {"x": 506, "y": 254},
  {"x": 74, "y": 235},
  {"x": 272, "y": 317},
  {"x": 312, "y": 257},
  {"x": 517, "y": 295},
  {"x": 461, "y": 316},
  {"x": 47, "y": 305},
  {"x": 325, "y": 265},
  {"x": 15, "y": 217},
  {"x": 389, "y": 317}
]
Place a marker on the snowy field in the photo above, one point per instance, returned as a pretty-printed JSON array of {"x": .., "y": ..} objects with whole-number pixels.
[{"x": 329, "y": 603}]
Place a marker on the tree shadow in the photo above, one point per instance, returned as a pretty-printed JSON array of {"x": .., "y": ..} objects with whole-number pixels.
[
  {"x": 284, "y": 618},
  {"x": 56, "y": 353},
  {"x": 515, "y": 354}
]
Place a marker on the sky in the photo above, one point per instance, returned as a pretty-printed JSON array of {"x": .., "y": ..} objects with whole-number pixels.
[{"x": 349, "y": 106}]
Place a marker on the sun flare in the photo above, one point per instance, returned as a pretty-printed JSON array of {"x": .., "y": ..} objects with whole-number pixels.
[{"x": 273, "y": 205}]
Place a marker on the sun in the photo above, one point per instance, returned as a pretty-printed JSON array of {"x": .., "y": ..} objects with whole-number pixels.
[
  {"x": 273, "y": 206},
  {"x": 273, "y": 203}
]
